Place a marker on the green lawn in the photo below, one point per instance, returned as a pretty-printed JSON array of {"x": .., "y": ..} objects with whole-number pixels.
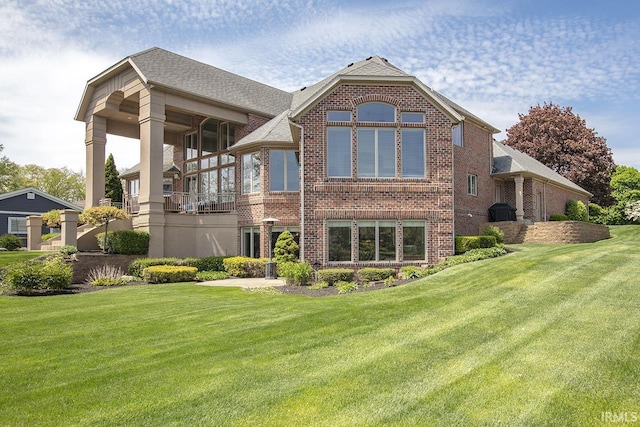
[
  {"x": 10, "y": 257},
  {"x": 548, "y": 335}
]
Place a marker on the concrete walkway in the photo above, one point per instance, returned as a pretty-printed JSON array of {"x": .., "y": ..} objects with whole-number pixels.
[{"x": 245, "y": 283}]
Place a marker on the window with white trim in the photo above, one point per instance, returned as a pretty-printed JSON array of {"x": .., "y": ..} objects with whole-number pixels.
[
  {"x": 377, "y": 112},
  {"x": 413, "y": 240},
  {"x": 17, "y": 225},
  {"x": 376, "y": 153},
  {"x": 339, "y": 240},
  {"x": 251, "y": 173},
  {"x": 376, "y": 240},
  {"x": 339, "y": 152},
  {"x": 413, "y": 153},
  {"x": 456, "y": 135},
  {"x": 284, "y": 170},
  {"x": 472, "y": 185}
]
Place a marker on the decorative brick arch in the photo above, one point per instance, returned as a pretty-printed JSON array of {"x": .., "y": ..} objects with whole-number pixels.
[{"x": 375, "y": 97}]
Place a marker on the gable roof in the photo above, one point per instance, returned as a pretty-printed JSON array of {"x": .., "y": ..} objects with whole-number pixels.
[
  {"x": 40, "y": 193},
  {"x": 509, "y": 161},
  {"x": 175, "y": 72},
  {"x": 167, "y": 164}
]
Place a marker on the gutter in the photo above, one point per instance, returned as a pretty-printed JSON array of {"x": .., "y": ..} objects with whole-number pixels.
[{"x": 301, "y": 147}]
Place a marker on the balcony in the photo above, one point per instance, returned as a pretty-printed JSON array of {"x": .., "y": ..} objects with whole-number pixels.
[{"x": 186, "y": 203}]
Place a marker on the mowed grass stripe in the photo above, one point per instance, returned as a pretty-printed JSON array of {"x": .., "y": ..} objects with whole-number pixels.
[{"x": 546, "y": 335}]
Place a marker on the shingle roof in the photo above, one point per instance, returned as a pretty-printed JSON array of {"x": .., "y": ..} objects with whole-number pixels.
[
  {"x": 41, "y": 194},
  {"x": 161, "y": 67},
  {"x": 508, "y": 160},
  {"x": 274, "y": 131},
  {"x": 167, "y": 163}
]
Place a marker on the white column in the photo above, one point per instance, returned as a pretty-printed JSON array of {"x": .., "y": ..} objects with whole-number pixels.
[
  {"x": 69, "y": 227},
  {"x": 95, "y": 141},
  {"x": 34, "y": 232},
  {"x": 519, "y": 197},
  {"x": 151, "y": 216}
]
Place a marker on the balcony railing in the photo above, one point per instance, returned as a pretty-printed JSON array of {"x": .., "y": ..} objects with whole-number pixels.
[{"x": 192, "y": 203}]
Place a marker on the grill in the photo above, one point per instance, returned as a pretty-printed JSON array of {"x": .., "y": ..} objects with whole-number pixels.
[{"x": 502, "y": 212}]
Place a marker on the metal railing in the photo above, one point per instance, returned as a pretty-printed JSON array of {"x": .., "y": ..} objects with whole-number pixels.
[{"x": 193, "y": 203}]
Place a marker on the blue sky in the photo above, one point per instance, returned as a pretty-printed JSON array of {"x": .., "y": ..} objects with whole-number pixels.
[{"x": 495, "y": 58}]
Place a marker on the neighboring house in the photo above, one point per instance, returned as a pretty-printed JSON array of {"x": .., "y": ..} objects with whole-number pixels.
[
  {"x": 17, "y": 205},
  {"x": 367, "y": 167}
]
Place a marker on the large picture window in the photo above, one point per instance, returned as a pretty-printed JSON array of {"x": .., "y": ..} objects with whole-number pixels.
[
  {"x": 376, "y": 240},
  {"x": 413, "y": 240},
  {"x": 251, "y": 173},
  {"x": 339, "y": 240},
  {"x": 376, "y": 112},
  {"x": 339, "y": 152},
  {"x": 284, "y": 170},
  {"x": 376, "y": 153},
  {"x": 413, "y": 153}
]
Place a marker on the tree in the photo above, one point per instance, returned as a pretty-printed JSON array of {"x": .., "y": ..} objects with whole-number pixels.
[
  {"x": 286, "y": 249},
  {"x": 112, "y": 184},
  {"x": 102, "y": 215},
  {"x": 9, "y": 174},
  {"x": 560, "y": 140},
  {"x": 63, "y": 183}
]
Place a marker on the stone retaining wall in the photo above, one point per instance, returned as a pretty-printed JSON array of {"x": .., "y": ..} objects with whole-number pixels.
[
  {"x": 87, "y": 261},
  {"x": 552, "y": 232}
]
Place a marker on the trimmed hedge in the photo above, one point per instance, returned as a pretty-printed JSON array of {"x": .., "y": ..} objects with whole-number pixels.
[
  {"x": 137, "y": 266},
  {"x": 558, "y": 217},
  {"x": 466, "y": 243},
  {"x": 371, "y": 274},
  {"x": 576, "y": 211},
  {"x": 295, "y": 273},
  {"x": 125, "y": 242},
  {"x": 333, "y": 275},
  {"x": 169, "y": 274},
  {"x": 211, "y": 263},
  {"x": 241, "y": 266}
]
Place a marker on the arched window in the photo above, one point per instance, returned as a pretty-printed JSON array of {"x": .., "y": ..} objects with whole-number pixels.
[{"x": 376, "y": 112}]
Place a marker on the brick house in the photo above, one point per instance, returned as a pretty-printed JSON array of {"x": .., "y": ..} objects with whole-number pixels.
[{"x": 367, "y": 167}]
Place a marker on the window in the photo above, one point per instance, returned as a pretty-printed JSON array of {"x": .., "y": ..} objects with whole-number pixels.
[
  {"x": 339, "y": 152},
  {"x": 227, "y": 135},
  {"x": 251, "y": 242},
  {"x": 209, "y": 137},
  {"x": 167, "y": 186},
  {"x": 413, "y": 240},
  {"x": 17, "y": 225},
  {"x": 412, "y": 117},
  {"x": 134, "y": 187},
  {"x": 472, "y": 185},
  {"x": 376, "y": 153},
  {"x": 377, "y": 241},
  {"x": 413, "y": 153},
  {"x": 497, "y": 193},
  {"x": 251, "y": 173},
  {"x": 191, "y": 146},
  {"x": 376, "y": 112},
  {"x": 339, "y": 240},
  {"x": 228, "y": 183},
  {"x": 338, "y": 116},
  {"x": 456, "y": 133},
  {"x": 284, "y": 170}
]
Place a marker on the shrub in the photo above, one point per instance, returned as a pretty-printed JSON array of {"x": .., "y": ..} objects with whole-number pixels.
[
  {"x": 106, "y": 275},
  {"x": 125, "y": 242},
  {"x": 206, "y": 276},
  {"x": 26, "y": 277},
  {"x": 473, "y": 255},
  {"x": 286, "y": 249},
  {"x": 49, "y": 236},
  {"x": 412, "y": 272},
  {"x": 319, "y": 285},
  {"x": 10, "y": 242},
  {"x": 137, "y": 266},
  {"x": 346, "y": 286},
  {"x": 390, "y": 281},
  {"x": 169, "y": 274},
  {"x": 466, "y": 243},
  {"x": 558, "y": 217},
  {"x": 576, "y": 211},
  {"x": 492, "y": 230},
  {"x": 597, "y": 214},
  {"x": 371, "y": 274},
  {"x": 240, "y": 266},
  {"x": 295, "y": 273},
  {"x": 68, "y": 250},
  {"x": 333, "y": 275},
  {"x": 211, "y": 263}
]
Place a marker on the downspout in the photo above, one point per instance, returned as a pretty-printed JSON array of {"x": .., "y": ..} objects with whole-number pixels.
[
  {"x": 453, "y": 185},
  {"x": 301, "y": 187}
]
